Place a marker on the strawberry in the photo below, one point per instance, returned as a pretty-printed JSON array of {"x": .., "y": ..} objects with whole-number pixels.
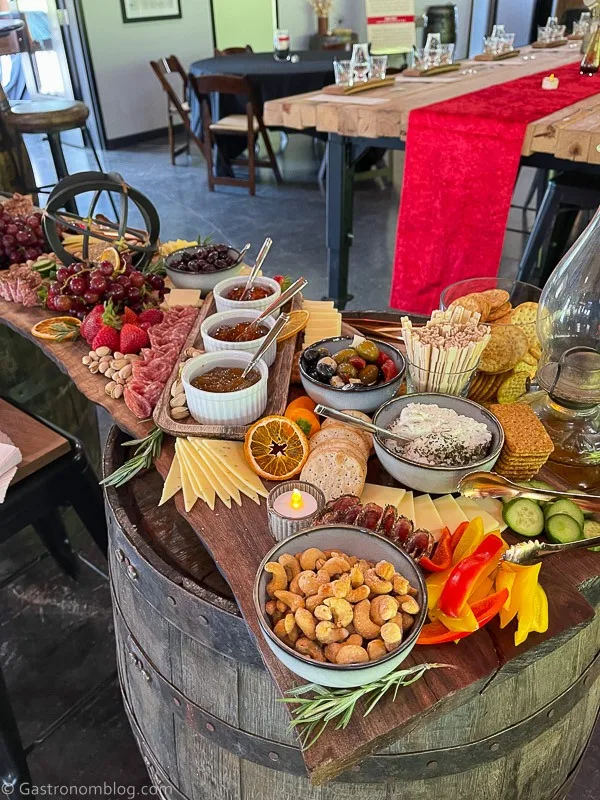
[
  {"x": 106, "y": 337},
  {"x": 132, "y": 339},
  {"x": 129, "y": 316},
  {"x": 92, "y": 324},
  {"x": 151, "y": 315}
]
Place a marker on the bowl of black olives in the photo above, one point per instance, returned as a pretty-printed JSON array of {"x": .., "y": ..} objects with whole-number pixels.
[
  {"x": 203, "y": 266},
  {"x": 352, "y": 372}
]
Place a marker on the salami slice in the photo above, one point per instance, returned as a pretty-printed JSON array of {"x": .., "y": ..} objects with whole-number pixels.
[{"x": 137, "y": 404}]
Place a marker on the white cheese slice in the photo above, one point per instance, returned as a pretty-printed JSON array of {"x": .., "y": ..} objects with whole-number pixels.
[
  {"x": 203, "y": 468},
  {"x": 493, "y": 507},
  {"x": 183, "y": 297},
  {"x": 197, "y": 475},
  {"x": 382, "y": 495},
  {"x": 472, "y": 509},
  {"x": 451, "y": 513},
  {"x": 229, "y": 478},
  {"x": 172, "y": 482},
  {"x": 231, "y": 455},
  {"x": 213, "y": 467},
  {"x": 427, "y": 517},
  {"x": 189, "y": 495},
  {"x": 406, "y": 507}
]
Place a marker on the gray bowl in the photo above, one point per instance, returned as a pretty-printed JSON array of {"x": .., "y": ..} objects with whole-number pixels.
[
  {"x": 204, "y": 281},
  {"x": 365, "y": 398},
  {"x": 434, "y": 480},
  {"x": 358, "y": 542}
]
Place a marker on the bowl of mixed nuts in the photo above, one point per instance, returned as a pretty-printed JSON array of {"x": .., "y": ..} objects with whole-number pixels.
[{"x": 340, "y": 606}]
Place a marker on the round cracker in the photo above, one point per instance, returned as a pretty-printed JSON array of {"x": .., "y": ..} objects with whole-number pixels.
[
  {"x": 496, "y": 297},
  {"x": 336, "y": 471},
  {"x": 524, "y": 314},
  {"x": 341, "y": 433},
  {"x": 507, "y": 346},
  {"x": 471, "y": 302},
  {"x": 501, "y": 311},
  {"x": 368, "y": 437}
]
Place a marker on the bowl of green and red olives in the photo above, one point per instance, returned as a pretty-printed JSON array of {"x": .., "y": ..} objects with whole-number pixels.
[{"x": 352, "y": 372}]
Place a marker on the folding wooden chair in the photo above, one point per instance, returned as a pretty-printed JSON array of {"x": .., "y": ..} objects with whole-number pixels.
[
  {"x": 251, "y": 124},
  {"x": 177, "y": 104},
  {"x": 232, "y": 51}
]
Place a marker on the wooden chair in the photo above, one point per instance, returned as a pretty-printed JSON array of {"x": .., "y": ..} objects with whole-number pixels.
[
  {"x": 54, "y": 472},
  {"x": 251, "y": 124},
  {"x": 232, "y": 51},
  {"x": 177, "y": 104}
]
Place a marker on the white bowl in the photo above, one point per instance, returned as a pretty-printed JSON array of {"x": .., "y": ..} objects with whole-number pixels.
[
  {"x": 434, "y": 480},
  {"x": 205, "y": 281},
  {"x": 357, "y": 542},
  {"x": 223, "y": 303},
  {"x": 364, "y": 398},
  {"x": 225, "y": 408},
  {"x": 212, "y": 345}
]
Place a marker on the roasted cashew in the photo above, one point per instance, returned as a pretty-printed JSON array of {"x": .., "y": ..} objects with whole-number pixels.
[
  {"x": 358, "y": 594},
  {"x": 408, "y": 604},
  {"x": 309, "y": 557},
  {"x": 327, "y": 633},
  {"x": 331, "y": 651},
  {"x": 385, "y": 570},
  {"x": 357, "y": 577},
  {"x": 319, "y": 563},
  {"x": 279, "y": 581},
  {"x": 290, "y": 564},
  {"x": 352, "y": 654},
  {"x": 308, "y": 582},
  {"x": 306, "y": 622},
  {"x": 336, "y": 566},
  {"x": 391, "y": 635},
  {"x": 323, "y": 613},
  {"x": 364, "y": 565},
  {"x": 407, "y": 621},
  {"x": 383, "y": 608},
  {"x": 309, "y": 648},
  {"x": 355, "y": 639},
  {"x": 352, "y": 560},
  {"x": 292, "y": 601},
  {"x": 294, "y": 587},
  {"x": 312, "y": 602},
  {"x": 376, "y": 584},
  {"x": 341, "y": 587},
  {"x": 289, "y": 622},
  {"x": 325, "y": 590},
  {"x": 341, "y": 609},
  {"x": 376, "y": 648},
  {"x": 271, "y": 607},
  {"x": 363, "y": 623},
  {"x": 412, "y": 591},
  {"x": 400, "y": 584},
  {"x": 279, "y": 630}
]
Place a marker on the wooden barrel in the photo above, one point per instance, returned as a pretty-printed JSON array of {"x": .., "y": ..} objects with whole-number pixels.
[{"x": 205, "y": 714}]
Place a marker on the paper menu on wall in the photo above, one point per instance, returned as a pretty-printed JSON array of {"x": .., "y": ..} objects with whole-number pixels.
[{"x": 391, "y": 26}]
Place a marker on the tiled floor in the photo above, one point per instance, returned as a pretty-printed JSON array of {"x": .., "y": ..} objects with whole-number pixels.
[{"x": 57, "y": 637}]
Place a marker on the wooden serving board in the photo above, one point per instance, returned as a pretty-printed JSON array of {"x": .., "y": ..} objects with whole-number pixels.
[
  {"x": 360, "y": 87},
  {"x": 278, "y": 386},
  {"x": 549, "y": 45},
  {"x": 500, "y": 57},
  {"x": 413, "y": 72}
]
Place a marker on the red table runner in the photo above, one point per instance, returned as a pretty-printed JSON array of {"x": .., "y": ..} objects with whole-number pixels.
[{"x": 462, "y": 159}]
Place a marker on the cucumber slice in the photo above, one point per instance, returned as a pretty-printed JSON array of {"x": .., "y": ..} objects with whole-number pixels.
[
  {"x": 524, "y": 517},
  {"x": 591, "y": 528},
  {"x": 562, "y": 528},
  {"x": 565, "y": 507}
]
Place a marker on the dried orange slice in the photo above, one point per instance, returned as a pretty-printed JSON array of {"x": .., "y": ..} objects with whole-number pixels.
[
  {"x": 295, "y": 324},
  {"x": 110, "y": 254},
  {"x": 57, "y": 329},
  {"x": 276, "y": 448}
]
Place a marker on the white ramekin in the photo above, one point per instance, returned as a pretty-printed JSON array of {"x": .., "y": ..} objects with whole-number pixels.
[
  {"x": 232, "y": 408},
  {"x": 212, "y": 345},
  {"x": 225, "y": 304}
]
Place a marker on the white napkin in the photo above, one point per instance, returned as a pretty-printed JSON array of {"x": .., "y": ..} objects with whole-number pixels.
[{"x": 10, "y": 457}]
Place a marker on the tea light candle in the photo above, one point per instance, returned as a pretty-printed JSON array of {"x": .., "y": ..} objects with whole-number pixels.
[
  {"x": 292, "y": 506},
  {"x": 295, "y": 504},
  {"x": 550, "y": 82}
]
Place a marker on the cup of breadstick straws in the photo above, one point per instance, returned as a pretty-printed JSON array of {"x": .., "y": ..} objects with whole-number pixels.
[{"x": 443, "y": 354}]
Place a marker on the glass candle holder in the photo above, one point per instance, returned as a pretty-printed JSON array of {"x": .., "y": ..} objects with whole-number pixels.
[{"x": 286, "y": 504}]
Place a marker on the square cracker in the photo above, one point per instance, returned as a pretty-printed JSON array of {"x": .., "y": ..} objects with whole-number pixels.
[{"x": 524, "y": 434}]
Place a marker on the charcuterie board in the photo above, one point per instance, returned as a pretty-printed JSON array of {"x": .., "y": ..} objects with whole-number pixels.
[{"x": 279, "y": 381}]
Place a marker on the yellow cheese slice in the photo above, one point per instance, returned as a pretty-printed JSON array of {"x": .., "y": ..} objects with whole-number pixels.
[
  {"x": 201, "y": 467},
  {"x": 316, "y": 304},
  {"x": 231, "y": 456},
  {"x": 183, "y": 297},
  {"x": 427, "y": 517},
  {"x": 451, "y": 513},
  {"x": 172, "y": 482},
  {"x": 406, "y": 507},
  {"x": 220, "y": 474},
  {"x": 189, "y": 496},
  {"x": 494, "y": 508},
  {"x": 472, "y": 509},
  {"x": 196, "y": 474},
  {"x": 382, "y": 495},
  {"x": 229, "y": 478}
]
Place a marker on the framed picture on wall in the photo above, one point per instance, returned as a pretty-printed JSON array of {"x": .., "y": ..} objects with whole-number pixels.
[{"x": 146, "y": 10}]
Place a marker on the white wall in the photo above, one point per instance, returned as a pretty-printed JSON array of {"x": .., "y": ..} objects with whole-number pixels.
[
  {"x": 299, "y": 18},
  {"x": 130, "y": 96}
]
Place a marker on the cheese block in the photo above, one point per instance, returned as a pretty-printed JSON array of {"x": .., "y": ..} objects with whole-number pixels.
[
  {"x": 309, "y": 305},
  {"x": 406, "y": 506},
  {"x": 382, "y": 495},
  {"x": 214, "y": 469},
  {"x": 451, "y": 513},
  {"x": 427, "y": 517},
  {"x": 183, "y": 297},
  {"x": 229, "y": 478},
  {"x": 494, "y": 508},
  {"x": 172, "y": 483},
  {"x": 472, "y": 509},
  {"x": 189, "y": 495},
  {"x": 231, "y": 455}
]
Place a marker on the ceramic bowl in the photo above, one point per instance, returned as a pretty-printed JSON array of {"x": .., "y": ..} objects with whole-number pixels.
[
  {"x": 212, "y": 345},
  {"x": 232, "y": 408},
  {"x": 205, "y": 281},
  {"x": 358, "y": 542},
  {"x": 223, "y": 303},
  {"x": 365, "y": 398},
  {"x": 434, "y": 480}
]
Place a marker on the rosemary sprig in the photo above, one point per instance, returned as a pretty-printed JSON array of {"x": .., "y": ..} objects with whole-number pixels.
[
  {"x": 145, "y": 450},
  {"x": 314, "y": 713},
  {"x": 65, "y": 331}
]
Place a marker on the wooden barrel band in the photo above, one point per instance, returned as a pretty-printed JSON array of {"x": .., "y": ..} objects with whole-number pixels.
[{"x": 405, "y": 766}]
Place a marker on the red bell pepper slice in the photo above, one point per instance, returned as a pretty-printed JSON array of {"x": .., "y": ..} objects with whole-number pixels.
[
  {"x": 442, "y": 557},
  {"x": 484, "y": 611},
  {"x": 457, "y": 535},
  {"x": 465, "y": 575}
]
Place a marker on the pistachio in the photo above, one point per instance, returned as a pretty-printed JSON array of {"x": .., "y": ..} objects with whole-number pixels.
[
  {"x": 117, "y": 392},
  {"x": 94, "y": 367},
  {"x": 179, "y": 413},
  {"x": 119, "y": 363},
  {"x": 118, "y": 379},
  {"x": 102, "y": 351},
  {"x": 93, "y": 356},
  {"x": 125, "y": 372},
  {"x": 109, "y": 372},
  {"x": 178, "y": 401},
  {"x": 176, "y": 388},
  {"x": 86, "y": 360},
  {"x": 109, "y": 387},
  {"x": 103, "y": 366},
  {"x": 117, "y": 355}
]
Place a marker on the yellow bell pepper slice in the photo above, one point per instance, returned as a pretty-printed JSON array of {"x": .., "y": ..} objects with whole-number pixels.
[
  {"x": 522, "y": 593},
  {"x": 540, "y": 617},
  {"x": 483, "y": 588},
  {"x": 466, "y": 622},
  {"x": 470, "y": 540},
  {"x": 435, "y": 583}
]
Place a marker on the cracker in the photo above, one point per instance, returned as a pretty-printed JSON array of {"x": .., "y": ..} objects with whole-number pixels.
[
  {"x": 524, "y": 434},
  {"x": 472, "y": 302},
  {"x": 496, "y": 297},
  {"x": 505, "y": 320},
  {"x": 368, "y": 437},
  {"x": 497, "y": 313},
  {"x": 506, "y": 348},
  {"x": 524, "y": 314},
  {"x": 335, "y": 471},
  {"x": 343, "y": 434}
]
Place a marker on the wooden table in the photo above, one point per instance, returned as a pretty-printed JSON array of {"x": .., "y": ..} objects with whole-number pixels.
[{"x": 567, "y": 139}]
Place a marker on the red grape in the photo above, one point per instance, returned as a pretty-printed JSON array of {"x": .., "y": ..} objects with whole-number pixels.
[
  {"x": 32, "y": 253},
  {"x": 98, "y": 283},
  {"x": 73, "y": 268},
  {"x": 62, "y": 273},
  {"x": 62, "y": 303},
  {"x": 15, "y": 257},
  {"x": 137, "y": 279},
  {"x": 33, "y": 221},
  {"x": 12, "y": 229},
  {"x": 106, "y": 268},
  {"x": 91, "y": 298},
  {"x": 8, "y": 241},
  {"x": 116, "y": 292},
  {"x": 78, "y": 285},
  {"x": 54, "y": 288},
  {"x": 124, "y": 281},
  {"x": 156, "y": 282},
  {"x": 133, "y": 294}
]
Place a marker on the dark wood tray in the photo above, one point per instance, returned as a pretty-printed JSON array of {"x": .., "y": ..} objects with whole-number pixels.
[
  {"x": 499, "y": 57},
  {"x": 549, "y": 45},
  {"x": 278, "y": 387}
]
